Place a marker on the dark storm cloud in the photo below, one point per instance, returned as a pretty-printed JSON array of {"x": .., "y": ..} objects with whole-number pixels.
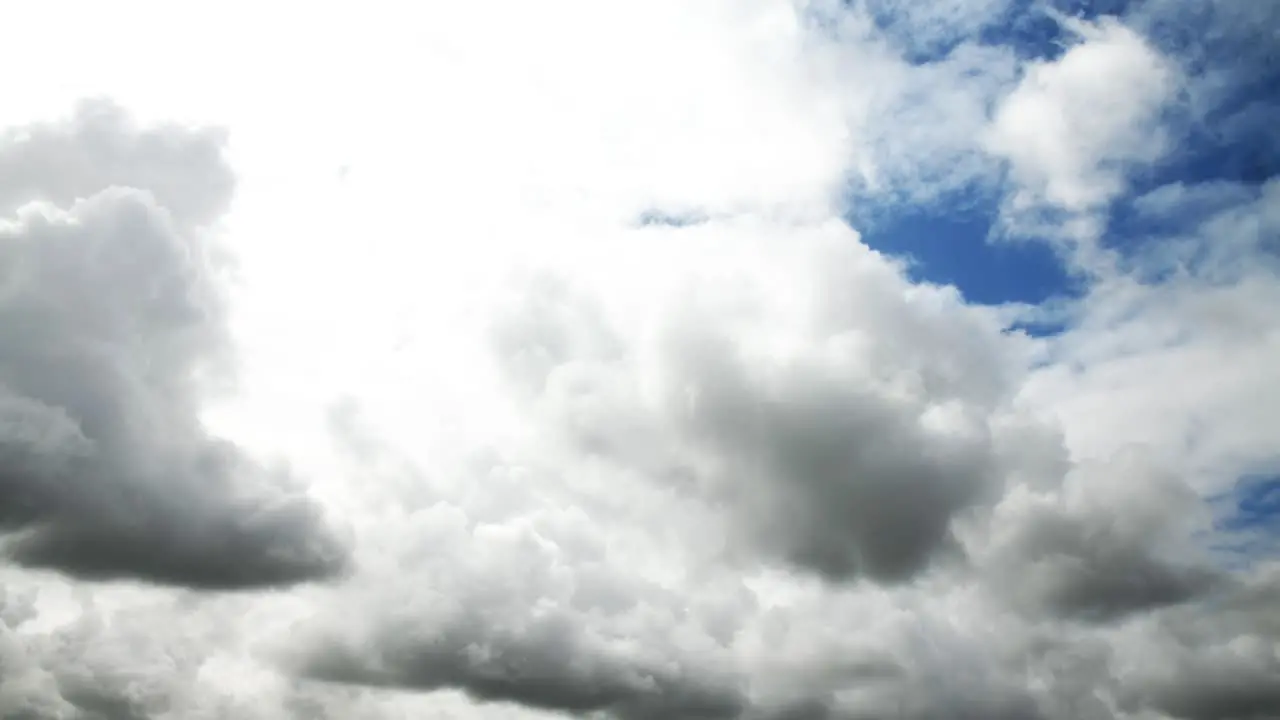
[
  {"x": 111, "y": 323},
  {"x": 1219, "y": 694}
]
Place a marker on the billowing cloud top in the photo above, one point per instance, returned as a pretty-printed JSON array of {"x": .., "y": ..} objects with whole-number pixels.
[
  {"x": 112, "y": 323},
  {"x": 762, "y": 360}
]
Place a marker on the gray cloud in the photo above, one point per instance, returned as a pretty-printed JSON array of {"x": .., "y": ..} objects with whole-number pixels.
[
  {"x": 112, "y": 326},
  {"x": 1100, "y": 547},
  {"x": 832, "y": 478},
  {"x": 544, "y": 666},
  {"x": 100, "y": 146},
  {"x": 149, "y": 659},
  {"x": 1220, "y": 693},
  {"x": 60, "y": 674},
  {"x": 848, "y": 458},
  {"x": 525, "y": 616},
  {"x": 1217, "y": 659}
]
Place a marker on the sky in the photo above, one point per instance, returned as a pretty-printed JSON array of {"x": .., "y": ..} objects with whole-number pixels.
[{"x": 728, "y": 360}]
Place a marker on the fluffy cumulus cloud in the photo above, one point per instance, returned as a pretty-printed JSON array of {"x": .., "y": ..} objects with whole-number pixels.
[
  {"x": 112, "y": 323},
  {"x": 1073, "y": 123},
  {"x": 777, "y": 391},
  {"x": 536, "y": 362}
]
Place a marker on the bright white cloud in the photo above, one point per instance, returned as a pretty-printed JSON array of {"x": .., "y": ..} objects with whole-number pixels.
[{"x": 1075, "y": 126}]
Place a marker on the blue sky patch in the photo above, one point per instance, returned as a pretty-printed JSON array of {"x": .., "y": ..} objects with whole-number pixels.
[
  {"x": 948, "y": 243},
  {"x": 1257, "y": 505},
  {"x": 1248, "y": 522},
  {"x": 1029, "y": 31}
]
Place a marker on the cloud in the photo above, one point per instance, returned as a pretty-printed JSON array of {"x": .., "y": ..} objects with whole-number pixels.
[
  {"x": 799, "y": 416},
  {"x": 552, "y": 660},
  {"x": 834, "y": 427},
  {"x": 1142, "y": 364},
  {"x": 910, "y": 124},
  {"x": 570, "y": 608},
  {"x": 136, "y": 654},
  {"x": 1074, "y": 127},
  {"x": 529, "y": 602},
  {"x": 1215, "y": 660},
  {"x": 887, "y": 482},
  {"x": 98, "y": 146},
  {"x": 620, "y": 414},
  {"x": 1104, "y": 545},
  {"x": 113, "y": 326}
]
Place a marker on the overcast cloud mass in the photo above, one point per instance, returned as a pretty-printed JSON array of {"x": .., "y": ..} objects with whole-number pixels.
[{"x": 735, "y": 360}]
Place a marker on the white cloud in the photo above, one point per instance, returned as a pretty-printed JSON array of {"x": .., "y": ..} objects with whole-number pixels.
[
  {"x": 1075, "y": 126},
  {"x": 1185, "y": 366}
]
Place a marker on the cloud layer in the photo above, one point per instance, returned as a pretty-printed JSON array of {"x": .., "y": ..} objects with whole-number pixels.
[{"x": 542, "y": 366}]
